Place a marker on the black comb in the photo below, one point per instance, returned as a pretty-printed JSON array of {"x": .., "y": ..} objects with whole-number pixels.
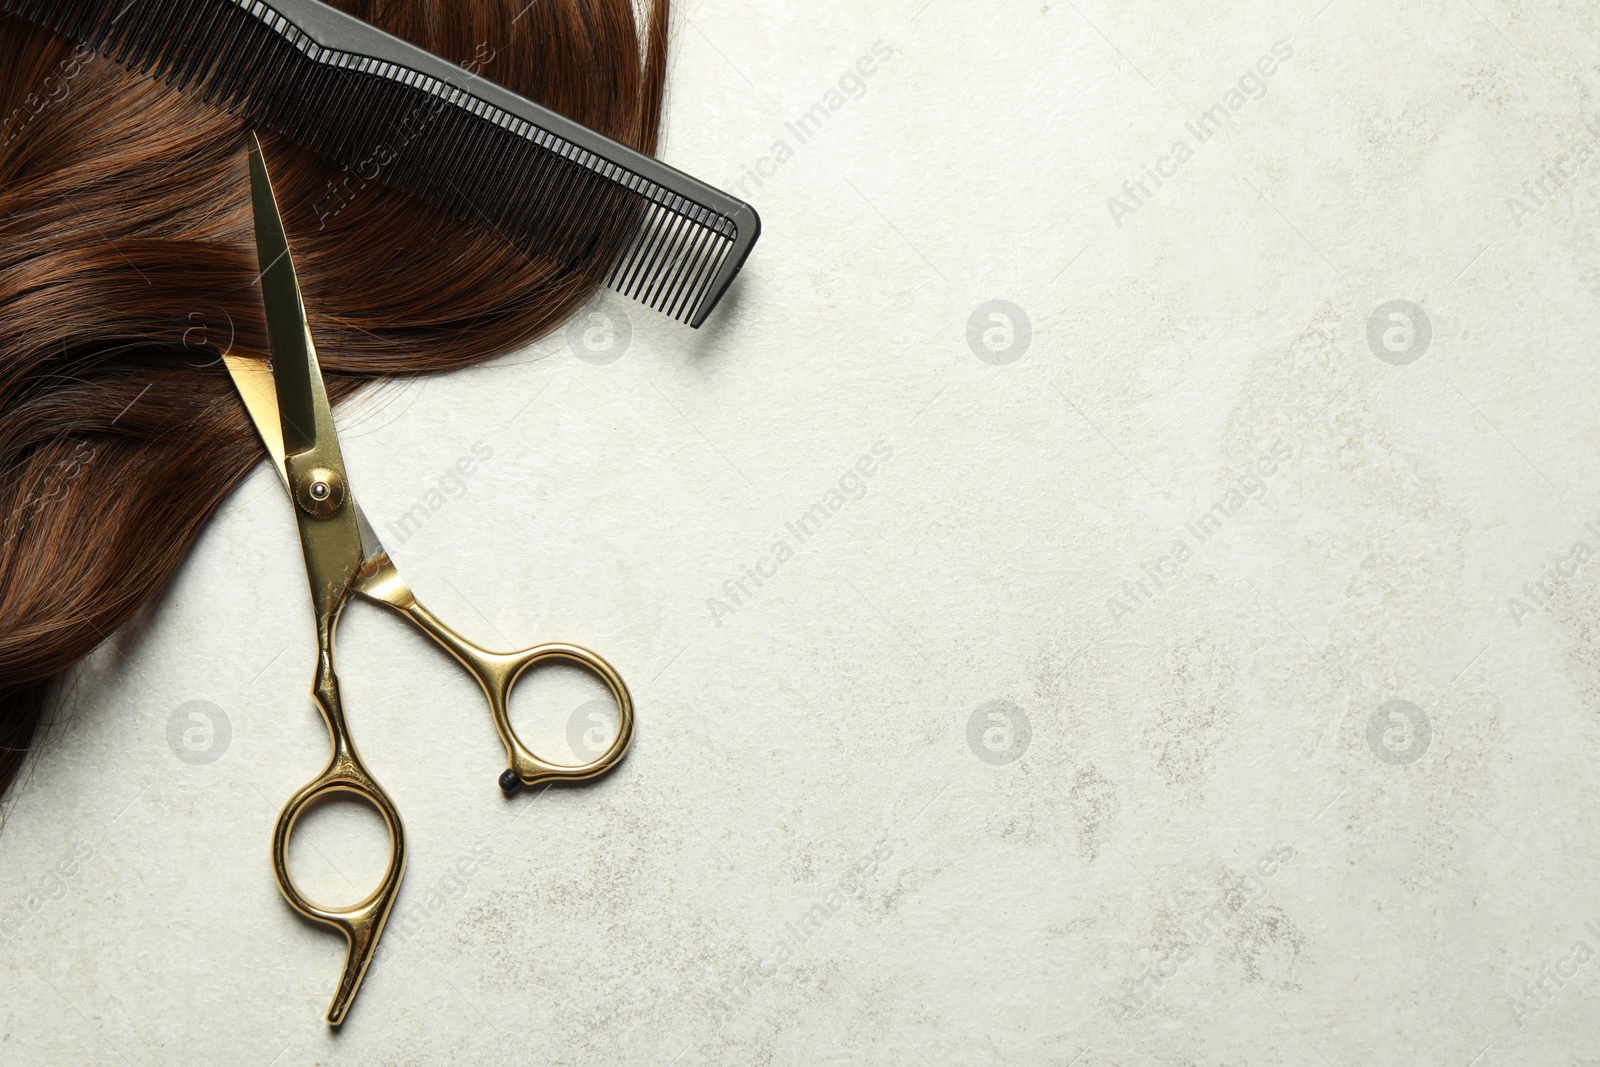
[{"x": 345, "y": 90}]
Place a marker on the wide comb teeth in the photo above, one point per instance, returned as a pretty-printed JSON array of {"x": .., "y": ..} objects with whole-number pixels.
[{"x": 393, "y": 113}]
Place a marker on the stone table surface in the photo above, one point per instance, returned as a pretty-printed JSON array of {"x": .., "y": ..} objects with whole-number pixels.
[{"x": 1118, "y": 583}]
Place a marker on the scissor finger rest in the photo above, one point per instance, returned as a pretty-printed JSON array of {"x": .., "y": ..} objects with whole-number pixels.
[{"x": 361, "y": 922}]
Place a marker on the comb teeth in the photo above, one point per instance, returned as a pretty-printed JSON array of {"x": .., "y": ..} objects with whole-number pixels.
[{"x": 394, "y": 113}]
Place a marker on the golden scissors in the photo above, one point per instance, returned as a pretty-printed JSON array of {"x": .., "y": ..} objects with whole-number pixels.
[{"x": 289, "y": 405}]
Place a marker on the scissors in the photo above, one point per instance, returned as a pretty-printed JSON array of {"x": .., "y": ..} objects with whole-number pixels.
[{"x": 288, "y": 403}]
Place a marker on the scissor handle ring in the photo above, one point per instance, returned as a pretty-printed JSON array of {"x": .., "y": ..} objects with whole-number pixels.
[
  {"x": 500, "y": 676},
  {"x": 361, "y": 922},
  {"x": 497, "y": 673}
]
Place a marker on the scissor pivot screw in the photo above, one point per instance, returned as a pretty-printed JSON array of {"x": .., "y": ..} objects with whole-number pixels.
[{"x": 320, "y": 492}]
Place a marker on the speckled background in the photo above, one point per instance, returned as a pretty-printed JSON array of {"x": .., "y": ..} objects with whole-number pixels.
[{"x": 1192, "y": 657}]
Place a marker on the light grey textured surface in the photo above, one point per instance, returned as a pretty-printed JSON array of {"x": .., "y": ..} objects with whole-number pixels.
[{"x": 1223, "y": 842}]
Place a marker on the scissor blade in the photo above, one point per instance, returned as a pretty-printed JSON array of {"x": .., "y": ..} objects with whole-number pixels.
[
  {"x": 294, "y": 359},
  {"x": 253, "y": 379},
  {"x": 313, "y": 468}
]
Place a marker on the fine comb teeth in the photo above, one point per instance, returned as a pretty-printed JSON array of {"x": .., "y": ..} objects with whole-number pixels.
[{"x": 395, "y": 113}]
